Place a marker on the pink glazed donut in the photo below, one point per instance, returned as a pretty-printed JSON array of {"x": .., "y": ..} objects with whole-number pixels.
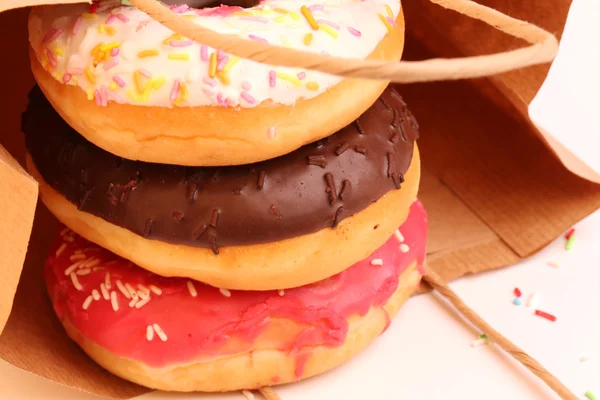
[{"x": 183, "y": 335}]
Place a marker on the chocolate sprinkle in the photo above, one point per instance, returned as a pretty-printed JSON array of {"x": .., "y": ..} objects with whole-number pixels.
[
  {"x": 330, "y": 188},
  {"x": 148, "y": 228},
  {"x": 345, "y": 188},
  {"x": 261, "y": 179},
  {"x": 390, "y": 168},
  {"x": 214, "y": 219},
  {"x": 337, "y": 218},
  {"x": 119, "y": 195},
  {"x": 318, "y": 160},
  {"x": 199, "y": 232},
  {"x": 340, "y": 150}
]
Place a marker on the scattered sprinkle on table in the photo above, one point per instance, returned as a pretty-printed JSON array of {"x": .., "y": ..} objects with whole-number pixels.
[
  {"x": 517, "y": 292},
  {"x": 590, "y": 395},
  {"x": 479, "y": 342},
  {"x": 583, "y": 359},
  {"x": 570, "y": 242},
  {"x": 553, "y": 264},
  {"x": 545, "y": 315},
  {"x": 517, "y": 301},
  {"x": 534, "y": 300},
  {"x": 570, "y": 233}
]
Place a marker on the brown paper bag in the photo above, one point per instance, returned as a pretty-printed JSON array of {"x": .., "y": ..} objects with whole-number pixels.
[{"x": 494, "y": 190}]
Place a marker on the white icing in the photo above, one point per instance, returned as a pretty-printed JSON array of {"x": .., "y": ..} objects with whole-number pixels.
[{"x": 249, "y": 82}]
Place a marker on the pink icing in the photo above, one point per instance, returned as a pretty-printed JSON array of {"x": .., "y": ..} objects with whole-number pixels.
[{"x": 212, "y": 324}]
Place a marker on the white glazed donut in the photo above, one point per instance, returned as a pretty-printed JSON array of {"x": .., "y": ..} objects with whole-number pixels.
[{"x": 136, "y": 89}]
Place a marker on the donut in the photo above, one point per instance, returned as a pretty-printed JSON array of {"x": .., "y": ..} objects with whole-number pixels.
[
  {"x": 134, "y": 88},
  {"x": 182, "y": 335},
  {"x": 281, "y": 223}
]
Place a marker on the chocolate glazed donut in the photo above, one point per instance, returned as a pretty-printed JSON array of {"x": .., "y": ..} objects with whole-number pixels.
[{"x": 299, "y": 193}]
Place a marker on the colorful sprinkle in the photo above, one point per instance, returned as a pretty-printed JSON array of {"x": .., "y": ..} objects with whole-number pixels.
[
  {"x": 212, "y": 65},
  {"x": 174, "y": 90},
  {"x": 147, "y": 53},
  {"x": 377, "y": 261},
  {"x": 145, "y": 72},
  {"x": 309, "y": 17},
  {"x": 246, "y": 85},
  {"x": 330, "y": 23},
  {"x": 181, "y": 43},
  {"x": 570, "y": 243},
  {"x": 312, "y": 86},
  {"x": 308, "y": 38},
  {"x": 111, "y": 19},
  {"x": 179, "y": 56},
  {"x": 517, "y": 292},
  {"x": 232, "y": 61},
  {"x": 316, "y": 7},
  {"x": 280, "y": 19},
  {"x": 224, "y": 78},
  {"x": 553, "y": 264},
  {"x": 90, "y": 76},
  {"x": 119, "y": 81},
  {"x": 257, "y": 38},
  {"x": 289, "y": 78},
  {"x": 113, "y": 86},
  {"x": 51, "y": 58},
  {"x": 111, "y": 64},
  {"x": 222, "y": 62},
  {"x": 295, "y": 16},
  {"x": 569, "y": 233},
  {"x": 115, "y": 52},
  {"x": 387, "y": 24},
  {"x": 280, "y": 10},
  {"x": 301, "y": 75},
  {"x": 479, "y": 342},
  {"x": 210, "y": 81},
  {"x": 89, "y": 15},
  {"x": 51, "y": 36},
  {"x": 137, "y": 79},
  {"x": 246, "y": 96},
  {"x": 545, "y": 315},
  {"x": 225, "y": 292},
  {"x": 157, "y": 83},
  {"x": 517, "y": 301},
  {"x": 66, "y": 78},
  {"x": 90, "y": 93},
  {"x": 204, "y": 52},
  {"x": 76, "y": 26},
  {"x": 254, "y": 18},
  {"x": 389, "y": 11},
  {"x": 122, "y": 18},
  {"x": 272, "y": 78},
  {"x": 590, "y": 395},
  {"x": 330, "y": 31},
  {"x": 534, "y": 300},
  {"x": 354, "y": 31}
]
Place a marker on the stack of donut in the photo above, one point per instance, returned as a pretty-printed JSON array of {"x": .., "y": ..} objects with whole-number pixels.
[{"x": 227, "y": 224}]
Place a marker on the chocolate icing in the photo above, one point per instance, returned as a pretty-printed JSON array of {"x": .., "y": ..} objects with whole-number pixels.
[{"x": 299, "y": 193}]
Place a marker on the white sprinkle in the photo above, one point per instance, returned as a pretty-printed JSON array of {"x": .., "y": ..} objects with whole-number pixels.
[
  {"x": 142, "y": 295},
  {"x": 72, "y": 268},
  {"x": 143, "y": 288},
  {"x": 281, "y": 292},
  {"x": 113, "y": 301},
  {"x": 76, "y": 257},
  {"x": 149, "y": 333},
  {"x": 225, "y": 292},
  {"x": 192, "y": 289},
  {"x": 64, "y": 231},
  {"x": 61, "y": 249},
  {"x": 131, "y": 291},
  {"x": 155, "y": 290},
  {"x": 404, "y": 248},
  {"x": 105, "y": 293},
  {"x": 399, "y": 236},
  {"x": 76, "y": 282},
  {"x": 534, "y": 301},
  {"x": 248, "y": 394},
  {"x": 92, "y": 262},
  {"x": 87, "y": 302},
  {"x": 132, "y": 302},
  {"x": 95, "y": 295},
  {"x": 84, "y": 271},
  {"x": 107, "y": 280},
  {"x": 95, "y": 269},
  {"x": 159, "y": 332},
  {"x": 553, "y": 264},
  {"x": 479, "y": 342},
  {"x": 377, "y": 261},
  {"x": 122, "y": 289},
  {"x": 78, "y": 251},
  {"x": 142, "y": 302}
]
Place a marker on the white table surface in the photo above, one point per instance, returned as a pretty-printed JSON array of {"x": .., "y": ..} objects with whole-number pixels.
[{"x": 426, "y": 353}]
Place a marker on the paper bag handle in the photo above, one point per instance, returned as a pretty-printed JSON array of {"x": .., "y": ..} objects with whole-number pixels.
[{"x": 543, "y": 48}]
